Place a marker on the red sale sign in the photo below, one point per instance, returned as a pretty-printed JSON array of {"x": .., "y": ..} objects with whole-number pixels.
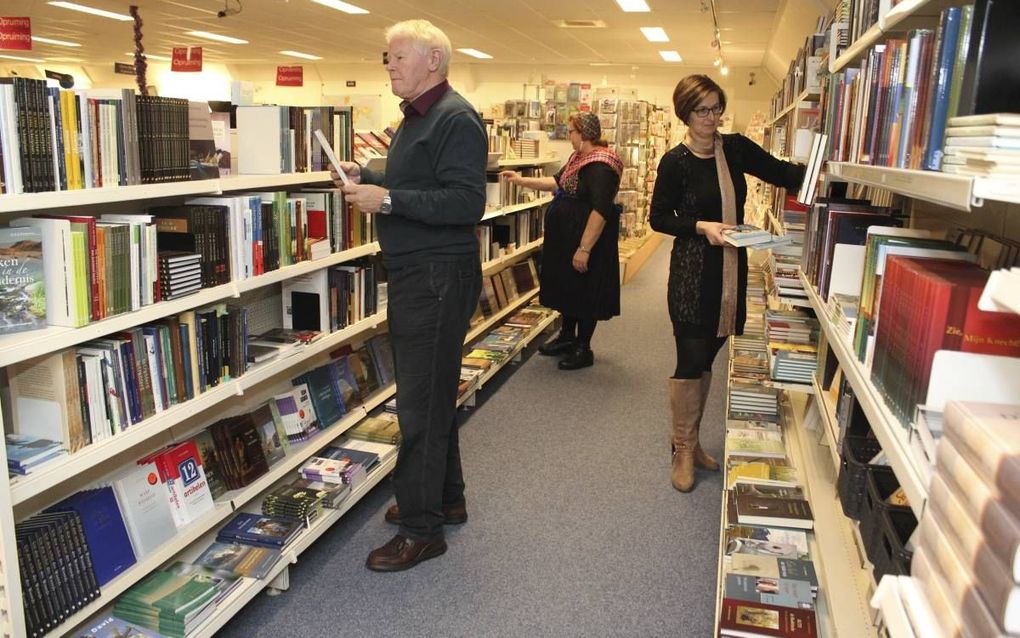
[
  {"x": 16, "y": 34},
  {"x": 187, "y": 59},
  {"x": 290, "y": 76}
]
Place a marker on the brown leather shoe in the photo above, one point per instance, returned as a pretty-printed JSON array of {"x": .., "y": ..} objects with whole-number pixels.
[
  {"x": 403, "y": 553},
  {"x": 452, "y": 515}
]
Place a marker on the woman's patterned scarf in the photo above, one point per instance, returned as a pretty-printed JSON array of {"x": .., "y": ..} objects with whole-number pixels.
[{"x": 569, "y": 176}]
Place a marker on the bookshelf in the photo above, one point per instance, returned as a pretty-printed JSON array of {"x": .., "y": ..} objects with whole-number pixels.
[
  {"x": 524, "y": 163},
  {"x": 946, "y": 189},
  {"x": 23, "y": 495},
  {"x": 891, "y": 20}
]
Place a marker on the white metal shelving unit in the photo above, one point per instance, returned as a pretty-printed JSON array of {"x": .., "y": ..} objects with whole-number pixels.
[
  {"x": 891, "y": 434},
  {"x": 161, "y": 428}
]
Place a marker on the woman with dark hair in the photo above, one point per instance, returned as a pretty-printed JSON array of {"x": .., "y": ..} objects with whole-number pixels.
[
  {"x": 699, "y": 192},
  {"x": 580, "y": 262}
]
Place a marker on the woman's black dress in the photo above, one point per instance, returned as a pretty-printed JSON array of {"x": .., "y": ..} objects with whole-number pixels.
[{"x": 596, "y": 293}]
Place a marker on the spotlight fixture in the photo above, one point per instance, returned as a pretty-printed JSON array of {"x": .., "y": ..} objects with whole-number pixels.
[
  {"x": 717, "y": 62},
  {"x": 725, "y": 70}
]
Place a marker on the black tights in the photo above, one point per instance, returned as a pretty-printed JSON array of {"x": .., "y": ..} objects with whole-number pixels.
[
  {"x": 581, "y": 329},
  {"x": 695, "y": 355}
]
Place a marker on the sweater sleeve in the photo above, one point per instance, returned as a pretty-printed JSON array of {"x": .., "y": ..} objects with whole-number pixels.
[
  {"x": 461, "y": 152},
  {"x": 669, "y": 186},
  {"x": 761, "y": 164},
  {"x": 602, "y": 183},
  {"x": 368, "y": 176}
]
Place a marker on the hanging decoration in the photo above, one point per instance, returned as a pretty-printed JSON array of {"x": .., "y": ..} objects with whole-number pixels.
[{"x": 140, "y": 63}]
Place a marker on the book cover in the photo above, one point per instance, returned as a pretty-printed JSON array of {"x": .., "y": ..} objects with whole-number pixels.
[
  {"x": 111, "y": 627},
  {"x": 107, "y": 537},
  {"x": 181, "y": 471},
  {"x": 239, "y": 559},
  {"x": 256, "y": 529},
  {"x": 145, "y": 507},
  {"x": 780, "y": 592},
  {"x": 271, "y": 433},
  {"x": 780, "y": 512},
  {"x": 744, "y": 618},
  {"x": 766, "y": 541},
  {"x": 22, "y": 282}
]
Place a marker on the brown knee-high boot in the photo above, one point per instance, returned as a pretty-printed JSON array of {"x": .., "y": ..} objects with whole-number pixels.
[
  {"x": 684, "y": 402},
  {"x": 701, "y": 458}
]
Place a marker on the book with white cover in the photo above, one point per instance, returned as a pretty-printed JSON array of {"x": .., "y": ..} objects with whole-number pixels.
[{"x": 145, "y": 507}]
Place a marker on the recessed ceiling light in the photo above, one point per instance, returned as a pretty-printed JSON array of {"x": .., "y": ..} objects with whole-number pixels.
[
  {"x": 633, "y": 6},
  {"x": 671, "y": 56},
  {"x": 342, "y": 6},
  {"x": 725, "y": 70},
  {"x": 217, "y": 37},
  {"x": 298, "y": 54},
  {"x": 63, "y": 43},
  {"x": 655, "y": 34},
  {"x": 96, "y": 12},
  {"x": 475, "y": 53},
  {"x": 16, "y": 57},
  {"x": 152, "y": 56}
]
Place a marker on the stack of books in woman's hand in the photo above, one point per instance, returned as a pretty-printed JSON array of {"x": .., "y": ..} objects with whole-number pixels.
[{"x": 746, "y": 235}]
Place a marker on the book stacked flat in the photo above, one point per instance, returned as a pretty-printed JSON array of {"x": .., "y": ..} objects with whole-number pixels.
[
  {"x": 381, "y": 428},
  {"x": 24, "y": 453},
  {"x": 262, "y": 531},
  {"x": 753, "y": 402},
  {"x": 239, "y": 559},
  {"x": 364, "y": 451},
  {"x": 983, "y": 145},
  {"x": 332, "y": 493},
  {"x": 173, "y": 604},
  {"x": 330, "y": 469},
  {"x": 297, "y": 503},
  {"x": 792, "y": 342},
  {"x": 180, "y": 273}
]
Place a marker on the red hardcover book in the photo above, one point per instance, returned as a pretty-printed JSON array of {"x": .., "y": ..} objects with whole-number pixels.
[{"x": 742, "y": 618}]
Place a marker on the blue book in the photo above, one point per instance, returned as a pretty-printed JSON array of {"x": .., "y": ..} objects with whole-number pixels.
[
  {"x": 942, "y": 82},
  {"x": 25, "y": 452},
  {"x": 344, "y": 384},
  {"x": 257, "y": 529},
  {"x": 105, "y": 534},
  {"x": 366, "y": 459}
]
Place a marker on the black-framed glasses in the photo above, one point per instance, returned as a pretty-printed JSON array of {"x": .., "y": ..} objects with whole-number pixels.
[{"x": 703, "y": 111}]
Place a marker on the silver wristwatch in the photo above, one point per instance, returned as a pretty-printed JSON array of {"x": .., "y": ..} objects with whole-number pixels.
[{"x": 387, "y": 204}]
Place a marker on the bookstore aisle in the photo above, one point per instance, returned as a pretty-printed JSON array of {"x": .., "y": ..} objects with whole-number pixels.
[{"x": 574, "y": 527}]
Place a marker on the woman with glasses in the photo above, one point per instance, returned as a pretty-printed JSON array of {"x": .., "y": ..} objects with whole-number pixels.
[
  {"x": 699, "y": 192},
  {"x": 580, "y": 263}
]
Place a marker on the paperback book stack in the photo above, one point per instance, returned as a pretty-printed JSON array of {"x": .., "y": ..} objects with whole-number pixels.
[
  {"x": 381, "y": 428},
  {"x": 239, "y": 559},
  {"x": 983, "y": 145},
  {"x": 332, "y": 494},
  {"x": 24, "y": 453},
  {"x": 793, "y": 345},
  {"x": 966, "y": 558},
  {"x": 335, "y": 468},
  {"x": 172, "y": 603},
  {"x": 261, "y": 531},
  {"x": 753, "y": 402},
  {"x": 180, "y": 274},
  {"x": 295, "y": 503}
]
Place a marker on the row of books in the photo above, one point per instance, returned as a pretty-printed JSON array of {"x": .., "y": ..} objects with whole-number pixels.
[
  {"x": 76, "y": 269},
  {"x": 769, "y": 582},
  {"x": 330, "y": 299},
  {"x": 892, "y": 109},
  {"x": 504, "y": 287},
  {"x": 499, "y": 192},
  {"x": 503, "y": 235},
  {"x": 497, "y": 346}
]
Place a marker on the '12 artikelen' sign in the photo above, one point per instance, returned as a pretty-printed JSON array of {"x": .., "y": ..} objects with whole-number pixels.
[
  {"x": 187, "y": 59},
  {"x": 290, "y": 76},
  {"x": 16, "y": 34}
]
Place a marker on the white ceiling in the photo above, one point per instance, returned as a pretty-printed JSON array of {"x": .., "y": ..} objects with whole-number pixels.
[{"x": 513, "y": 31}]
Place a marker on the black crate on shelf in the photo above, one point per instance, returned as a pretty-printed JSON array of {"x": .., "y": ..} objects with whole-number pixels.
[
  {"x": 888, "y": 552},
  {"x": 851, "y": 484},
  {"x": 881, "y": 483}
]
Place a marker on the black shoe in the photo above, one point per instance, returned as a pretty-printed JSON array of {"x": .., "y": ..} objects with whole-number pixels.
[
  {"x": 557, "y": 346},
  {"x": 580, "y": 357}
]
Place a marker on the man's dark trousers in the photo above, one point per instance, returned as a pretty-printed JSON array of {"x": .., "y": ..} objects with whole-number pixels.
[{"x": 429, "y": 308}]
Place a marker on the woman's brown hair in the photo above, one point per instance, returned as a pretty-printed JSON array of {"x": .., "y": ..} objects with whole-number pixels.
[{"x": 692, "y": 90}]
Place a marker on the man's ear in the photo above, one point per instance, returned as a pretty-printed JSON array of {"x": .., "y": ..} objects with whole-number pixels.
[{"x": 434, "y": 58}]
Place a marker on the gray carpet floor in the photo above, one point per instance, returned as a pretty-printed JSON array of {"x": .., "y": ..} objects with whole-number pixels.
[{"x": 574, "y": 527}]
